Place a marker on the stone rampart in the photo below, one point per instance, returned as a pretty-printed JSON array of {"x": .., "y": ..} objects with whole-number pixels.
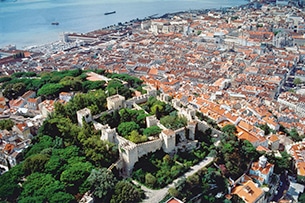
[{"x": 147, "y": 147}]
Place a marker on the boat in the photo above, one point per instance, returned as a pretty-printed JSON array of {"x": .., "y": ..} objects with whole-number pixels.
[
  {"x": 108, "y": 13},
  {"x": 55, "y": 23}
]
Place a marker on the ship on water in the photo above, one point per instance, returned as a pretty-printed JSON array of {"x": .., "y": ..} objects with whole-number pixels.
[{"x": 108, "y": 13}]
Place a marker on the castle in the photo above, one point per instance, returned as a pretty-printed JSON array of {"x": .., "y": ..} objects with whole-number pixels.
[{"x": 169, "y": 141}]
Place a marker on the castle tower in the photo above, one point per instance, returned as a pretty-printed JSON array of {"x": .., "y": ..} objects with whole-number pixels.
[
  {"x": 151, "y": 121},
  {"x": 129, "y": 154},
  {"x": 84, "y": 113},
  {"x": 108, "y": 134},
  {"x": 115, "y": 102},
  {"x": 192, "y": 128},
  {"x": 169, "y": 140}
]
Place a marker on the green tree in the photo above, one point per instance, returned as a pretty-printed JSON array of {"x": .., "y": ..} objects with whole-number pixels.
[
  {"x": 229, "y": 129},
  {"x": 6, "y": 124},
  {"x": 9, "y": 188},
  {"x": 70, "y": 83},
  {"x": 55, "y": 165},
  {"x": 150, "y": 180},
  {"x": 156, "y": 110},
  {"x": 265, "y": 128},
  {"x": 126, "y": 192},
  {"x": 14, "y": 90},
  {"x": 35, "y": 163},
  {"x": 126, "y": 128},
  {"x": 42, "y": 142},
  {"x": 100, "y": 152},
  {"x": 173, "y": 192},
  {"x": 92, "y": 85},
  {"x": 297, "y": 81},
  {"x": 102, "y": 183},
  {"x": 281, "y": 163},
  {"x": 302, "y": 198},
  {"x": 39, "y": 186},
  {"x": 248, "y": 151},
  {"x": 293, "y": 133},
  {"x": 173, "y": 122},
  {"x": 5, "y": 79},
  {"x": 50, "y": 90},
  {"x": 136, "y": 137},
  {"x": 152, "y": 131},
  {"x": 75, "y": 175}
]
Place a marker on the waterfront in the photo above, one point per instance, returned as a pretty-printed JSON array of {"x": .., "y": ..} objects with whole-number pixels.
[{"x": 29, "y": 22}]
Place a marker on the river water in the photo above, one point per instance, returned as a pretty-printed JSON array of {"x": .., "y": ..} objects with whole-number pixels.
[{"x": 29, "y": 22}]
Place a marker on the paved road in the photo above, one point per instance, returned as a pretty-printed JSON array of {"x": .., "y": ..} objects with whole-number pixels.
[{"x": 155, "y": 196}]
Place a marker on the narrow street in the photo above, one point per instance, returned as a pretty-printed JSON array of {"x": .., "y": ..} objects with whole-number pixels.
[
  {"x": 284, "y": 185},
  {"x": 155, "y": 196}
]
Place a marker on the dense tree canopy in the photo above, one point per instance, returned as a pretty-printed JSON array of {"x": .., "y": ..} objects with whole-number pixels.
[
  {"x": 14, "y": 90},
  {"x": 152, "y": 131},
  {"x": 126, "y": 192},
  {"x": 39, "y": 186},
  {"x": 174, "y": 122},
  {"x": 136, "y": 137},
  {"x": 50, "y": 90},
  {"x": 102, "y": 182},
  {"x": 235, "y": 155},
  {"x": 230, "y": 129},
  {"x": 126, "y": 128},
  {"x": 75, "y": 175}
]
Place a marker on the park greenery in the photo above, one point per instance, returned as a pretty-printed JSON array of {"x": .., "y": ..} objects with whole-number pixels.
[
  {"x": 50, "y": 84},
  {"x": 158, "y": 169},
  {"x": 233, "y": 155},
  {"x": 158, "y": 108},
  {"x": 297, "y": 81},
  {"x": 292, "y": 133},
  {"x": 206, "y": 184},
  {"x": 174, "y": 122}
]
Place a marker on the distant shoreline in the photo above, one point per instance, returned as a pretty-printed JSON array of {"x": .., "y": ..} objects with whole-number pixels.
[{"x": 40, "y": 43}]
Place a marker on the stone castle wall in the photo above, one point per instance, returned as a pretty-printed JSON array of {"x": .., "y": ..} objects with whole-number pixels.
[
  {"x": 147, "y": 147},
  {"x": 203, "y": 126}
]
